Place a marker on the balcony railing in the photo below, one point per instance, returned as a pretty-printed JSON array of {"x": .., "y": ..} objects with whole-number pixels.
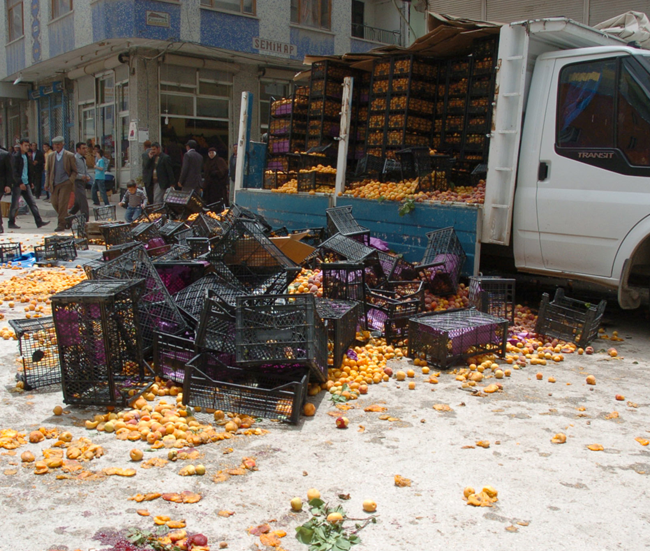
[{"x": 376, "y": 35}]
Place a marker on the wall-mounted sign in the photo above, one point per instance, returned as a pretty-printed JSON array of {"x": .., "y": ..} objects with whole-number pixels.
[
  {"x": 133, "y": 131},
  {"x": 271, "y": 47},
  {"x": 158, "y": 19}
]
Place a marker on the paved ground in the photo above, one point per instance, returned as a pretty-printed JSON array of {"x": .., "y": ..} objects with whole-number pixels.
[{"x": 551, "y": 497}]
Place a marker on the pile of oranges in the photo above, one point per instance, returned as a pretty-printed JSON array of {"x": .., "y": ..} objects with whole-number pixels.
[
  {"x": 307, "y": 281},
  {"x": 408, "y": 189}
]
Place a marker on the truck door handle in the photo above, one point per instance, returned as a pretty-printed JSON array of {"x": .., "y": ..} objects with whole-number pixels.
[{"x": 542, "y": 173}]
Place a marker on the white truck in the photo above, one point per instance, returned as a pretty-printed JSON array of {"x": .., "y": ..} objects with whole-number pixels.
[{"x": 568, "y": 180}]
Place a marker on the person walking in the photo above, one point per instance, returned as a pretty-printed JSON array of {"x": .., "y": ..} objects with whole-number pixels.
[
  {"x": 99, "y": 184},
  {"x": 37, "y": 158},
  {"x": 80, "y": 199},
  {"x": 147, "y": 172},
  {"x": 215, "y": 185},
  {"x": 23, "y": 178},
  {"x": 47, "y": 154},
  {"x": 190, "y": 178},
  {"x": 61, "y": 176},
  {"x": 134, "y": 201},
  {"x": 162, "y": 172},
  {"x": 6, "y": 177}
]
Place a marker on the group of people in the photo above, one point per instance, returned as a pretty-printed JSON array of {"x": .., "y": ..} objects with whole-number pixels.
[{"x": 208, "y": 177}]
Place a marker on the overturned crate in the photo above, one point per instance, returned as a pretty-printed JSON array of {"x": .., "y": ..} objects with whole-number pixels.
[
  {"x": 176, "y": 275},
  {"x": 569, "y": 319},
  {"x": 443, "y": 262},
  {"x": 56, "y": 248},
  {"x": 157, "y": 310},
  {"x": 171, "y": 353},
  {"x": 183, "y": 203},
  {"x": 493, "y": 295},
  {"x": 116, "y": 234},
  {"x": 39, "y": 352},
  {"x": 281, "y": 330},
  {"x": 341, "y": 319},
  {"x": 389, "y": 308},
  {"x": 448, "y": 338},
  {"x": 217, "y": 329},
  {"x": 9, "y": 252},
  {"x": 270, "y": 393},
  {"x": 100, "y": 347},
  {"x": 105, "y": 213},
  {"x": 343, "y": 281},
  {"x": 340, "y": 220}
]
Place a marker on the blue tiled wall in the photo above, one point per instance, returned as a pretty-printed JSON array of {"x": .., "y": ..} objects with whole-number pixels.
[
  {"x": 312, "y": 42},
  {"x": 128, "y": 19},
  {"x": 61, "y": 34},
  {"x": 361, "y": 46},
  {"x": 16, "y": 57},
  {"x": 232, "y": 32}
]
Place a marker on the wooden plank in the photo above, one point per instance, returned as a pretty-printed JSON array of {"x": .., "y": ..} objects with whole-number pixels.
[{"x": 281, "y": 209}]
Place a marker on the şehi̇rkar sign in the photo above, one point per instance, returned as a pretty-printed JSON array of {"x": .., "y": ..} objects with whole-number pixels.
[{"x": 271, "y": 47}]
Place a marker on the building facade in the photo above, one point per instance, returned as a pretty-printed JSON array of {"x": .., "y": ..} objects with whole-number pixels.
[{"x": 119, "y": 72}]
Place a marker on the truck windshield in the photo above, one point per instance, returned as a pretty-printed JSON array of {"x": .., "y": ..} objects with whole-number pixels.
[{"x": 633, "y": 113}]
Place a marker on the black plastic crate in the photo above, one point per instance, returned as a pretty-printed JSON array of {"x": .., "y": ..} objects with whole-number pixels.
[
  {"x": 190, "y": 300},
  {"x": 117, "y": 250},
  {"x": 39, "y": 352},
  {"x": 64, "y": 250},
  {"x": 156, "y": 308},
  {"x": 340, "y": 247},
  {"x": 171, "y": 229},
  {"x": 9, "y": 251},
  {"x": 206, "y": 226},
  {"x": 569, "y": 319},
  {"x": 198, "y": 246},
  {"x": 170, "y": 355},
  {"x": 100, "y": 345},
  {"x": 271, "y": 393},
  {"x": 448, "y": 338},
  {"x": 369, "y": 166},
  {"x": 340, "y": 220},
  {"x": 343, "y": 281},
  {"x": 341, "y": 319},
  {"x": 388, "y": 309},
  {"x": 77, "y": 224},
  {"x": 91, "y": 267},
  {"x": 178, "y": 274},
  {"x": 438, "y": 176},
  {"x": 443, "y": 262},
  {"x": 145, "y": 232},
  {"x": 493, "y": 295},
  {"x": 116, "y": 234},
  {"x": 183, "y": 203},
  {"x": 105, "y": 213},
  {"x": 281, "y": 329},
  {"x": 175, "y": 252},
  {"x": 312, "y": 180},
  {"x": 217, "y": 329}
]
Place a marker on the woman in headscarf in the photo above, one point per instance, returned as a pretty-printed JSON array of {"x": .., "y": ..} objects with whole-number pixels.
[{"x": 215, "y": 175}]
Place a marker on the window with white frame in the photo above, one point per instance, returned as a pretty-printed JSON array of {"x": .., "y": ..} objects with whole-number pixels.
[
  {"x": 239, "y": 6},
  {"x": 15, "y": 22},
  {"x": 61, "y": 7}
]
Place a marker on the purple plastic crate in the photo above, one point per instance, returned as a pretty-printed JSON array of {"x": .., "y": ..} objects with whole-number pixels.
[
  {"x": 177, "y": 275},
  {"x": 277, "y": 146},
  {"x": 170, "y": 355},
  {"x": 447, "y": 338},
  {"x": 443, "y": 261}
]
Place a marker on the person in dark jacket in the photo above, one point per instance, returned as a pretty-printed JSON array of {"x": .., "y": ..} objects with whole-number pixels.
[
  {"x": 23, "y": 178},
  {"x": 162, "y": 172},
  {"x": 215, "y": 184},
  {"x": 190, "y": 177},
  {"x": 37, "y": 158},
  {"x": 6, "y": 177}
]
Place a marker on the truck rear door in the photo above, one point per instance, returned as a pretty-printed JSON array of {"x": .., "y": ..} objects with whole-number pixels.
[{"x": 594, "y": 162}]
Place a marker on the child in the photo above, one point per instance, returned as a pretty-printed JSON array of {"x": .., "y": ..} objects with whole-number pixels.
[{"x": 134, "y": 201}]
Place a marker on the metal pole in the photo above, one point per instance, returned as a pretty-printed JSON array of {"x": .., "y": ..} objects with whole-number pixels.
[
  {"x": 344, "y": 137},
  {"x": 242, "y": 141}
]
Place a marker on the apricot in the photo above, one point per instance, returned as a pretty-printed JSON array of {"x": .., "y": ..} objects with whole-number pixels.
[{"x": 309, "y": 409}]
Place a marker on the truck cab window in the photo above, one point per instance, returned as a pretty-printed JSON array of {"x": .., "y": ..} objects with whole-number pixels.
[
  {"x": 633, "y": 116},
  {"x": 585, "y": 112}
]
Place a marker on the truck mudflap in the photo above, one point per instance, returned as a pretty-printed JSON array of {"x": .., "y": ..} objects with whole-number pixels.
[{"x": 628, "y": 298}]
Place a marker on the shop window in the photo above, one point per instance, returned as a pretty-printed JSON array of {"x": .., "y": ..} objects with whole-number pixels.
[
  {"x": 212, "y": 107},
  {"x": 61, "y": 7},
  {"x": 15, "y": 24},
  {"x": 312, "y": 13},
  {"x": 633, "y": 116},
  {"x": 270, "y": 90},
  {"x": 177, "y": 105},
  {"x": 239, "y": 6},
  {"x": 585, "y": 112}
]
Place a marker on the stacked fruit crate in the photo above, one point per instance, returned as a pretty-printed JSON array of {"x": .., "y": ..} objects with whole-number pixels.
[
  {"x": 402, "y": 104},
  {"x": 287, "y": 131}
]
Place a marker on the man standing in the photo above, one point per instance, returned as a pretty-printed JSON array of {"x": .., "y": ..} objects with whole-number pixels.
[
  {"x": 23, "y": 178},
  {"x": 147, "y": 172},
  {"x": 190, "y": 178},
  {"x": 162, "y": 172},
  {"x": 47, "y": 153},
  {"x": 37, "y": 158},
  {"x": 61, "y": 176},
  {"x": 6, "y": 177},
  {"x": 80, "y": 199}
]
